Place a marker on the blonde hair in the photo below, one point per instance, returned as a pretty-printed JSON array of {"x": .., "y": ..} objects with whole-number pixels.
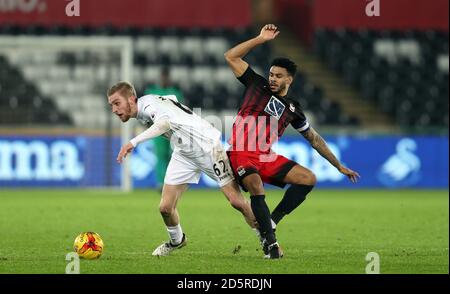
[{"x": 124, "y": 88}]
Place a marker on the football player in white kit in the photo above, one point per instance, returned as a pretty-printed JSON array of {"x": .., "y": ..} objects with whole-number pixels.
[{"x": 197, "y": 148}]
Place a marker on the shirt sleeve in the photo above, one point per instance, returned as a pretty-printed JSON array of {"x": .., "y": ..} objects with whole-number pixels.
[
  {"x": 300, "y": 123},
  {"x": 157, "y": 129},
  {"x": 155, "y": 111},
  {"x": 250, "y": 77}
]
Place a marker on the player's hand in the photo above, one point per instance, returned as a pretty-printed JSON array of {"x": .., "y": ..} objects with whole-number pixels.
[
  {"x": 352, "y": 175},
  {"x": 124, "y": 151},
  {"x": 269, "y": 32}
]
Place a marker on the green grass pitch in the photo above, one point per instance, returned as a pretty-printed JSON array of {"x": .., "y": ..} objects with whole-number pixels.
[{"x": 331, "y": 232}]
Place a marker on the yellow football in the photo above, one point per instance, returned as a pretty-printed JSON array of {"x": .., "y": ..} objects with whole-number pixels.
[{"x": 88, "y": 245}]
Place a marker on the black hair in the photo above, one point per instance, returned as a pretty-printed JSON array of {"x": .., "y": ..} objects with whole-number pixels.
[{"x": 285, "y": 63}]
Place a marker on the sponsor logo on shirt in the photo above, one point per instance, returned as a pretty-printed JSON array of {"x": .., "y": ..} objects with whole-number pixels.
[
  {"x": 291, "y": 107},
  {"x": 241, "y": 171},
  {"x": 275, "y": 107}
]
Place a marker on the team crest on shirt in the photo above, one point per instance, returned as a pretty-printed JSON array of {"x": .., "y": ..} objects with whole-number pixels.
[
  {"x": 241, "y": 171},
  {"x": 291, "y": 107},
  {"x": 275, "y": 107}
]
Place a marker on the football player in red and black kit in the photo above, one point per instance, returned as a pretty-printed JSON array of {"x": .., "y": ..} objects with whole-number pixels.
[{"x": 266, "y": 111}]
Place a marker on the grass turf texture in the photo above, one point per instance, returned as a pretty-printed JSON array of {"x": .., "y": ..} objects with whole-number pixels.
[{"x": 331, "y": 232}]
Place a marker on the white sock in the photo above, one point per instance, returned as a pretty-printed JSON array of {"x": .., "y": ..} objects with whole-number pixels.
[
  {"x": 175, "y": 234},
  {"x": 274, "y": 225},
  {"x": 258, "y": 233}
]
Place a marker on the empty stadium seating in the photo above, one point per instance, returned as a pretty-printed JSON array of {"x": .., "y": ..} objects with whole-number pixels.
[
  {"x": 75, "y": 81},
  {"x": 22, "y": 103},
  {"x": 405, "y": 73}
]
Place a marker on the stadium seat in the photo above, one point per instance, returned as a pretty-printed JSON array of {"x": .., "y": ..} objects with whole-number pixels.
[
  {"x": 169, "y": 46},
  {"x": 203, "y": 75},
  {"x": 180, "y": 75},
  {"x": 216, "y": 47},
  {"x": 192, "y": 46},
  {"x": 442, "y": 63}
]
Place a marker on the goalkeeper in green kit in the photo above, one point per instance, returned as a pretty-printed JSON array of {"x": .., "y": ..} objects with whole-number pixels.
[{"x": 161, "y": 145}]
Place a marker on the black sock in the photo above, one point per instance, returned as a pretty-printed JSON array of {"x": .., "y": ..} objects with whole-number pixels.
[
  {"x": 293, "y": 197},
  {"x": 262, "y": 215}
]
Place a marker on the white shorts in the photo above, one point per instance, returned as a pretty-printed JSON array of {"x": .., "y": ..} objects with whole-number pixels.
[{"x": 186, "y": 170}]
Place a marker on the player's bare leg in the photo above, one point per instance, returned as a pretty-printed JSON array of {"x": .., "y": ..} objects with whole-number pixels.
[
  {"x": 168, "y": 203},
  {"x": 237, "y": 200},
  {"x": 254, "y": 185},
  {"x": 300, "y": 175},
  {"x": 169, "y": 213}
]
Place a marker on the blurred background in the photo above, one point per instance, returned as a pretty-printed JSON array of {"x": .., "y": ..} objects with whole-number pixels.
[{"x": 373, "y": 80}]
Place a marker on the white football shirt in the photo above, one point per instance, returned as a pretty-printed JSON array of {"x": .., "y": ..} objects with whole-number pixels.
[{"x": 189, "y": 134}]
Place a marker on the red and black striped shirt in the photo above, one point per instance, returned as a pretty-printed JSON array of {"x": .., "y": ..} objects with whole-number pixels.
[{"x": 263, "y": 116}]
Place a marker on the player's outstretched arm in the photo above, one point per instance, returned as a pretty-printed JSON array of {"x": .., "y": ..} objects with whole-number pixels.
[
  {"x": 318, "y": 143},
  {"x": 234, "y": 55},
  {"x": 157, "y": 129},
  {"x": 124, "y": 151}
]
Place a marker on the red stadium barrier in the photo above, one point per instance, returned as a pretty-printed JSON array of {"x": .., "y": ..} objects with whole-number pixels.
[
  {"x": 297, "y": 14},
  {"x": 303, "y": 16},
  {"x": 139, "y": 13},
  {"x": 394, "y": 14}
]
